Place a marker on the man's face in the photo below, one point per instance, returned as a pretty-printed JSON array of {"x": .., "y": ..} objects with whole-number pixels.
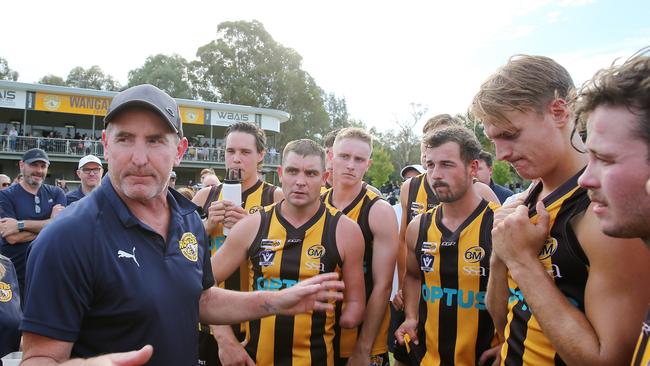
[
  {"x": 90, "y": 175},
  {"x": 532, "y": 146},
  {"x": 484, "y": 172},
  {"x": 210, "y": 180},
  {"x": 447, "y": 174},
  {"x": 241, "y": 153},
  {"x": 617, "y": 173},
  {"x": 172, "y": 182},
  {"x": 412, "y": 172},
  {"x": 34, "y": 173},
  {"x": 301, "y": 178},
  {"x": 329, "y": 155},
  {"x": 351, "y": 160},
  {"x": 141, "y": 151},
  {"x": 5, "y": 182}
]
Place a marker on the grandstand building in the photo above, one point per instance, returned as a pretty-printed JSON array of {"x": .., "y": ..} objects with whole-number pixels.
[{"x": 68, "y": 122}]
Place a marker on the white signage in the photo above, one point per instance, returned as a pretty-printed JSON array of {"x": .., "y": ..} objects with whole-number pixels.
[{"x": 10, "y": 98}]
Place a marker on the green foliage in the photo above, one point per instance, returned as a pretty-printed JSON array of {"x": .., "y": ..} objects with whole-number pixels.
[
  {"x": 7, "y": 73},
  {"x": 501, "y": 172},
  {"x": 92, "y": 78},
  {"x": 381, "y": 168},
  {"x": 245, "y": 65},
  {"x": 475, "y": 125},
  {"x": 50, "y": 79},
  {"x": 169, "y": 73}
]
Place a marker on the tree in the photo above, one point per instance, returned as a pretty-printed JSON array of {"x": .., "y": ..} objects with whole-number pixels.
[
  {"x": 245, "y": 65},
  {"x": 169, "y": 73},
  {"x": 92, "y": 78},
  {"x": 7, "y": 73},
  {"x": 501, "y": 172},
  {"x": 381, "y": 168},
  {"x": 50, "y": 79},
  {"x": 475, "y": 125},
  {"x": 337, "y": 110}
]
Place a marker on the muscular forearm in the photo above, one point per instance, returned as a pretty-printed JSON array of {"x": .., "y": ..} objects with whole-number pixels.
[
  {"x": 242, "y": 306},
  {"x": 223, "y": 334},
  {"x": 376, "y": 309},
  {"x": 401, "y": 263},
  {"x": 411, "y": 295},
  {"x": 352, "y": 314},
  {"x": 35, "y": 226},
  {"x": 498, "y": 294},
  {"x": 568, "y": 328}
]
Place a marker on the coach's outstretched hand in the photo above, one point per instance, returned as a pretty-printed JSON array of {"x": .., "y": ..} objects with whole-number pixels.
[{"x": 312, "y": 294}]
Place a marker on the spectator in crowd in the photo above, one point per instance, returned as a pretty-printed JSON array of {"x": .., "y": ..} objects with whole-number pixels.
[
  {"x": 19, "y": 178},
  {"x": 13, "y": 136},
  {"x": 186, "y": 192},
  {"x": 62, "y": 184},
  {"x": 5, "y": 181},
  {"x": 412, "y": 170},
  {"x": 26, "y": 208},
  {"x": 210, "y": 180},
  {"x": 484, "y": 175},
  {"x": 90, "y": 172},
  {"x": 128, "y": 265},
  {"x": 205, "y": 172},
  {"x": 172, "y": 180}
]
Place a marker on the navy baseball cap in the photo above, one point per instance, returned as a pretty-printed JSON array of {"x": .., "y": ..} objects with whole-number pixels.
[
  {"x": 35, "y": 154},
  {"x": 150, "y": 97}
]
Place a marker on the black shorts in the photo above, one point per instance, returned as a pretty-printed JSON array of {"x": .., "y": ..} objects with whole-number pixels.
[
  {"x": 399, "y": 352},
  {"x": 375, "y": 360}
]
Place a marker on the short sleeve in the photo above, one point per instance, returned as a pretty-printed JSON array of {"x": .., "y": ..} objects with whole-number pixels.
[
  {"x": 6, "y": 206},
  {"x": 59, "y": 197},
  {"x": 59, "y": 284}
]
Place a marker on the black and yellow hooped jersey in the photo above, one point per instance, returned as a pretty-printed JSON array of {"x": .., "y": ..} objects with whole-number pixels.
[
  {"x": 642, "y": 350},
  {"x": 279, "y": 257},
  {"x": 421, "y": 197},
  {"x": 254, "y": 199},
  {"x": 565, "y": 262},
  {"x": 454, "y": 326},
  {"x": 359, "y": 211}
]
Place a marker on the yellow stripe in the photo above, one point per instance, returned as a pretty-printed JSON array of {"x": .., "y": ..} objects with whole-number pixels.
[{"x": 432, "y": 279}]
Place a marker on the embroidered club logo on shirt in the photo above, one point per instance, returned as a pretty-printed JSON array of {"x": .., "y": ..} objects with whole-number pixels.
[
  {"x": 5, "y": 292},
  {"x": 189, "y": 246}
]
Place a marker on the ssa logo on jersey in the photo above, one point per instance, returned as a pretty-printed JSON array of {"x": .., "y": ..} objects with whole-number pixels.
[
  {"x": 426, "y": 263},
  {"x": 417, "y": 208},
  {"x": 474, "y": 254},
  {"x": 315, "y": 266},
  {"x": 189, "y": 246},
  {"x": 270, "y": 243},
  {"x": 316, "y": 251},
  {"x": 266, "y": 258},
  {"x": 549, "y": 248},
  {"x": 429, "y": 247}
]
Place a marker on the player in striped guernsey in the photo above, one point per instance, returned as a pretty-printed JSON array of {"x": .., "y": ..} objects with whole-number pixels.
[
  {"x": 245, "y": 149},
  {"x": 555, "y": 292},
  {"x": 289, "y": 242},
  {"x": 447, "y": 265},
  {"x": 352, "y": 150},
  {"x": 416, "y": 197},
  {"x": 614, "y": 108}
]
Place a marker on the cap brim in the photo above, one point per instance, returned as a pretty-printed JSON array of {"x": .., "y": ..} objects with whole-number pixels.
[{"x": 29, "y": 161}]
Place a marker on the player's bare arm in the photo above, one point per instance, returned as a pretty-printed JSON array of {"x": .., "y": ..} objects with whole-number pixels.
[
  {"x": 412, "y": 285},
  {"x": 349, "y": 242}
]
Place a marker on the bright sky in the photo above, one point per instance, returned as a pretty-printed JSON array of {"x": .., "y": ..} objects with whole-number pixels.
[{"x": 379, "y": 55}]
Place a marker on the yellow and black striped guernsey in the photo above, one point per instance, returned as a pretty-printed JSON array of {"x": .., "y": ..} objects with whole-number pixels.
[
  {"x": 642, "y": 351},
  {"x": 359, "y": 211},
  {"x": 279, "y": 257},
  {"x": 421, "y": 197},
  {"x": 254, "y": 198},
  {"x": 564, "y": 260},
  {"x": 454, "y": 326}
]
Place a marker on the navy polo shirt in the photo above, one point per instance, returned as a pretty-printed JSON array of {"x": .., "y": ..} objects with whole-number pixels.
[
  {"x": 502, "y": 192},
  {"x": 75, "y": 195},
  {"x": 9, "y": 309},
  {"x": 100, "y": 278},
  {"x": 17, "y": 203}
]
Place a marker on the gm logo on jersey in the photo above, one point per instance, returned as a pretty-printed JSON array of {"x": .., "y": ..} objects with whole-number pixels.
[
  {"x": 426, "y": 263},
  {"x": 549, "y": 248},
  {"x": 474, "y": 254},
  {"x": 316, "y": 251},
  {"x": 266, "y": 258}
]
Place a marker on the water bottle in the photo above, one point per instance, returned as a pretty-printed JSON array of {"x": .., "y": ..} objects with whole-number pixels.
[{"x": 231, "y": 190}]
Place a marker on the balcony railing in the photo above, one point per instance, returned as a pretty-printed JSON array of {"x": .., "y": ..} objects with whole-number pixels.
[{"x": 72, "y": 147}]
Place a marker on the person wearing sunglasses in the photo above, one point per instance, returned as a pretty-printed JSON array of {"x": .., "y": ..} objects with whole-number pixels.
[
  {"x": 90, "y": 173},
  {"x": 26, "y": 208},
  {"x": 5, "y": 181}
]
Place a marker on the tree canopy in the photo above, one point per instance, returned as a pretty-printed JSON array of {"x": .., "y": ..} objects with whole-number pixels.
[
  {"x": 6, "y": 73},
  {"x": 169, "y": 73}
]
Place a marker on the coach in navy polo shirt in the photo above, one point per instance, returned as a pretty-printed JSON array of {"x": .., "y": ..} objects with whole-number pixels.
[
  {"x": 128, "y": 265},
  {"x": 26, "y": 208}
]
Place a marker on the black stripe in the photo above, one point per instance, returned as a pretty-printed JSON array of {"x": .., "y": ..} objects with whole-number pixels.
[
  {"x": 448, "y": 314},
  {"x": 518, "y": 332},
  {"x": 267, "y": 194},
  {"x": 253, "y": 249},
  {"x": 212, "y": 196},
  {"x": 414, "y": 186},
  {"x": 318, "y": 348},
  {"x": 485, "y": 325},
  {"x": 364, "y": 223},
  {"x": 425, "y": 222}
]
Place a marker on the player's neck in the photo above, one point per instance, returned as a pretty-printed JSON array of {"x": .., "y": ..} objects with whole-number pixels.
[
  {"x": 299, "y": 215},
  {"x": 247, "y": 184},
  {"x": 568, "y": 166},
  {"x": 343, "y": 195},
  {"x": 455, "y": 213}
]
